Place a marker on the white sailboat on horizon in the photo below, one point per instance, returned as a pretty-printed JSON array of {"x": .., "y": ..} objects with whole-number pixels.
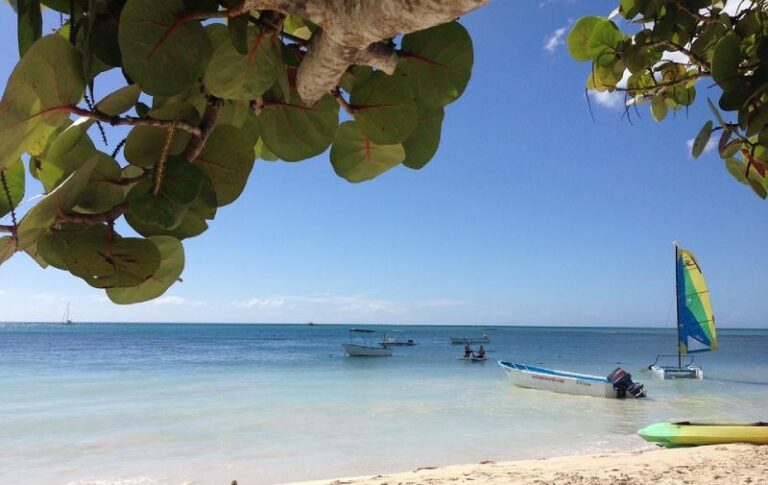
[{"x": 66, "y": 320}]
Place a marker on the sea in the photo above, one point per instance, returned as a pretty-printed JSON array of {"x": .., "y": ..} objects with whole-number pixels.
[{"x": 151, "y": 404}]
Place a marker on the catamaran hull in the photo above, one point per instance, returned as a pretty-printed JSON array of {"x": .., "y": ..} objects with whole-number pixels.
[
  {"x": 558, "y": 381},
  {"x": 366, "y": 351},
  {"x": 694, "y": 434},
  {"x": 689, "y": 372}
]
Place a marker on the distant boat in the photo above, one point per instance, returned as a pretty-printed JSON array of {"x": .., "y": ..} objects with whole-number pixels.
[
  {"x": 694, "y": 434},
  {"x": 394, "y": 341},
  {"x": 616, "y": 385},
  {"x": 354, "y": 350},
  {"x": 695, "y": 321},
  {"x": 362, "y": 330},
  {"x": 470, "y": 340},
  {"x": 66, "y": 320}
]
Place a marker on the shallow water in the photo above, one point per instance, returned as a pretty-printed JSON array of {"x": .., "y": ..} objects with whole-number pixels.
[{"x": 172, "y": 404}]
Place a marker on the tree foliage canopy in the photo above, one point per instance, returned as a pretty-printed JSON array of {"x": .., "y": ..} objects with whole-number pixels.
[
  {"x": 672, "y": 44},
  {"x": 209, "y": 88}
]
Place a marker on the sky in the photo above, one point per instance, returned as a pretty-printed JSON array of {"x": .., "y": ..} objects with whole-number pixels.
[{"x": 531, "y": 213}]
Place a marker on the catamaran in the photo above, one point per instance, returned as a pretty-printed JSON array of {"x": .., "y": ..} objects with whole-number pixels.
[
  {"x": 695, "y": 321},
  {"x": 66, "y": 320}
]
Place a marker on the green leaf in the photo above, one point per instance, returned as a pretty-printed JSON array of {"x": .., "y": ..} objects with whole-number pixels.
[
  {"x": 14, "y": 178},
  {"x": 384, "y": 108},
  {"x": 46, "y": 81},
  {"x": 725, "y": 62},
  {"x": 578, "y": 38},
  {"x": 422, "y": 144},
  {"x": 101, "y": 193},
  {"x": 163, "y": 51},
  {"x": 604, "y": 42},
  {"x": 227, "y": 160},
  {"x": 53, "y": 245},
  {"x": 182, "y": 181},
  {"x": 437, "y": 63},
  {"x": 294, "y": 131},
  {"x": 144, "y": 145},
  {"x": 7, "y": 248},
  {"x": 171, "y": 266},
  {"x": 238, "y": 32},
  {"x": 62, "y": 198},
  {"x": 119, "y": 263},
  {"x": 355, "y": 75},
  {"x": 701, "y": 140},
  {"x": 659, "y": 108},
  {"x": 356, "y": 158},
  {"x": 120, "y": 101},
  {"x": 737, "y": 169},
  {"x": 233, "y": 75},
  {"x": 154, "y": 210},
  {"x": 30, "y": 23}
]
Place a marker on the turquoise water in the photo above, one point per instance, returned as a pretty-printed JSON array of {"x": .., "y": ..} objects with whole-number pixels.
[{"x": 176, "y": 404}]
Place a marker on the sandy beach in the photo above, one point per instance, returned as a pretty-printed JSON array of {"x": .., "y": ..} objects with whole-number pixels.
[{"x": 717, "y": 464}]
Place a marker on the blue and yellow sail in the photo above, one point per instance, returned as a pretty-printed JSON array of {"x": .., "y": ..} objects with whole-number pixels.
[{"x": 696, "y": 322}]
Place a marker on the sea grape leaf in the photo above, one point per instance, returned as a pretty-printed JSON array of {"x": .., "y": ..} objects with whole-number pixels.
[
  {"x": 356, "y": 158},
  {"x": 53, "y": 245},
  {"x": 437, "y": 62},
  {"x": 737, "y": 169},
  {"x": 46, "y": 81},
  {"x": 603, "y": 42},
  {"x": 101, "y": 193},
  {"x": 725, "y": 62},
  {"x": 118, "y": 263},
  {"x": 163, "y": 51},
  {"x": 384, "y": 108},
  {"x": 166, "y": 274},
  {"x": 233, "y": 75},
  {"x": 154, "y": 210},
  {"x": 578, "y": 38},
  {"x": 29, "y": 24},
  {"x": 63, "y": 158},
  {"x": 294, "y": 131},
  {"x": 238, "y": 32},
  {"x": 14, "y": 178},
  {"x": 62, "y": 198},
  {"x": 144, "y": 144},
  {"x": 7, "y": 248},
  {"x": 659, "y": 108},
  {"x": 182, "y": 181},
  {"x": 701, "y": 140},
  {"x": 227, "y": 160},
  {"x": 354, "y": 76},
  {"x": 422, "y": 144}
]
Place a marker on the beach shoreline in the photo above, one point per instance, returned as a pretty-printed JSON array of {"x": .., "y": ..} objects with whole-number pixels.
[{"x": 714, "y": 464}]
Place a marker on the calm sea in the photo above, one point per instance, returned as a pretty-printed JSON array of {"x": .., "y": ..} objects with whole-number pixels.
[{"x": 204, "y": 404}]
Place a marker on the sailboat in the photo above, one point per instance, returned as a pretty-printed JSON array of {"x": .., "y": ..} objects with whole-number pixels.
[
  {"x": 66, "y": 320},
  {"x": 695, "y": 321}
]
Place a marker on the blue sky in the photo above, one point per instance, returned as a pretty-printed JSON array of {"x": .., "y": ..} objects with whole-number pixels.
[{"x": 529, "y": 214}]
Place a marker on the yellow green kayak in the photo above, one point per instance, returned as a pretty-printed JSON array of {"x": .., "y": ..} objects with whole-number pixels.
[{"x": 694, "y": 434}]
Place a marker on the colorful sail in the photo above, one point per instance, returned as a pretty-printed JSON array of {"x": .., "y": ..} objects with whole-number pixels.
[{"x": 696, "y": 322}]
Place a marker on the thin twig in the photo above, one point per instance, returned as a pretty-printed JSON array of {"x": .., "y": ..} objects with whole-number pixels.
[
  {"x": 132, "y": 120},
  {"x": 99, "y": 218},
  {"x": 196, "y": 144},
  {"x": 343, "y": 102}
]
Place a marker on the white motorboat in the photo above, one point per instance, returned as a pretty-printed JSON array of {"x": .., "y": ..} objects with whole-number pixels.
[
  {"x": 394, "y": 341},
  {"x": 470, "y": 340},
  {"x": 354, "y": 350},
  {"x": 616, "y": 385}
]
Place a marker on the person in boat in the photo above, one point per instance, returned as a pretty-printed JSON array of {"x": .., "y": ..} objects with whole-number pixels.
[
  {"x": 480, "y": 353},
  {"x": 468, "y": 351}
]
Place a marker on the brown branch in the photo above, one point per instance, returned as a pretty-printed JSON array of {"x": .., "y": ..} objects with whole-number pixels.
[
  {"x": 132, "y": 120},
  {"x": 196, "y": 144},
  {"x": 8, "y": 229},
  {"x": 700, "y": 61},
  {"x": 676, "y": 82},
  {"x": 99, "y": 218},
  {"x": 350, "y": 110},
  {"x": 257, "y": 105}
]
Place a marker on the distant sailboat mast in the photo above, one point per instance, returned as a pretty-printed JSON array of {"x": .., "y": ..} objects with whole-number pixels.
[
  {"x": 677, "y": 306},
  {"x": 67, "y": 321}
]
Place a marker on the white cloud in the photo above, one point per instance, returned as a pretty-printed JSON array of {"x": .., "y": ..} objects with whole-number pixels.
[
  {"x": 734, "y": 7},
  {"x": 2, "y": 292},
  {"x": 442, "y": 303},
  {"x": 609, "y": 100},
  {"x": 176, "y": 301},
  {"x": 346, "y": 304},
  {"x": 707, "y": 148},
  {"x": 262, "y": 303},
  {"x": 554, "y": 39}
]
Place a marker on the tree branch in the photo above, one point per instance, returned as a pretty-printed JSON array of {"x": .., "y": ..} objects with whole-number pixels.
[
  {"x": 196, "y": 144},
  {"x": 132, "y": 120},
  {"x": 99, "y": 218}
]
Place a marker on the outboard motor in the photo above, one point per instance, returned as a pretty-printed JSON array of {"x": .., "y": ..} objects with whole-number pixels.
[{"x": 622, "y": 382}]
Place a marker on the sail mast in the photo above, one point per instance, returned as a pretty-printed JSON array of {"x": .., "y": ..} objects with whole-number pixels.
[{"x": 677, "y": 306}]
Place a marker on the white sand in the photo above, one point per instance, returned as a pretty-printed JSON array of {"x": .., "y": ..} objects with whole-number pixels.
[{"x": 717, "y": 464}]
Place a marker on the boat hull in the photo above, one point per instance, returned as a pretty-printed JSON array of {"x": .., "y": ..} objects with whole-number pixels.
[
  {"x": 473, "y": 359},
  {"x": 406, "y": 343},
  {"x": 673, "y": 372},
  {"x": 695, "y": 434},
  {"x": 558, "y": 381},
  {"x": 462, "y": 340},
  {"x": 354, "y": 350}
]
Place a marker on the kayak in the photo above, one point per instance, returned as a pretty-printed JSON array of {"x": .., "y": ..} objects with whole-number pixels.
[
  {"x": 473, "y": 359},
  {"x": 694, "y": 434}
]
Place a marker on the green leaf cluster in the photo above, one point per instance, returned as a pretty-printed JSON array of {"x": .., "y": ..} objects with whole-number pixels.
[
  {"x": 667, "y": 48},
  {"x": 208, "y": 90}
]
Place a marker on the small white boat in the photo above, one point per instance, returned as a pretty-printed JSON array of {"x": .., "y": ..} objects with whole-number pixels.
[
  {"x": 354, "y": 350},
  {"x": 470, "y": 340},
  {"x": 616, "y": 385},
  {"x": 66, "y": 320},
  {"x": 695, "y": 320},
  {"x": 394, "y": 341}
]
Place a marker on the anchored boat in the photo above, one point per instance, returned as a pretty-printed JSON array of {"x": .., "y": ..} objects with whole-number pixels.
[
  {"x": 694, "y": 434},
  {"x": 616, "y": 385},
  {"x": 695, "y": 320},
  {"x": 470, "y": 340},
  {"x": 354, "y": 350}
]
